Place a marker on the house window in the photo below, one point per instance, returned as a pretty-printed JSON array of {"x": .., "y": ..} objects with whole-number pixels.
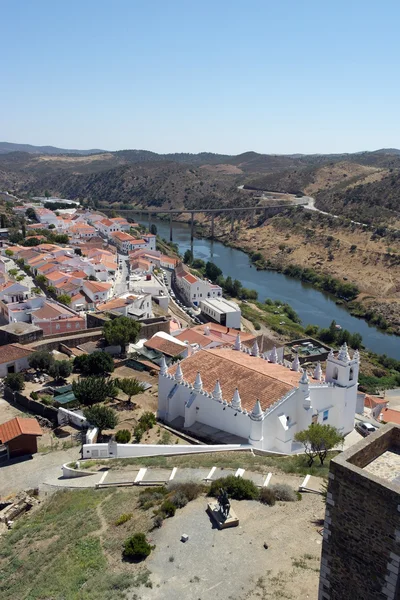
[
  {"x": 57, "y": 326},
  {"x": 325, "y": 415},
  {"x": 77, "y": 326},
  {"x": 351, "y": 374},
  {"x": 335, "y": 373},
  {"x": 68, "y": 325}
]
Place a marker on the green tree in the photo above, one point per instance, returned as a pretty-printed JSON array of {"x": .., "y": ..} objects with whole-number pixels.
[
  {"x": 64, "y": 299},
  {"x": 13, "y": 272},
  {"x": 97, "y": 363},
  {"x": 318, "y": 439},
  {"x": 123, "y": 436},
  {"x": 30, "y": 213},
  {"x": 153, "y": 229},
  {"x": 41, "y": 360},
  {"x": 60, "y": 369},
  {"x": 101, "y": 417},
  {"x": 3, "y": 221},
  {"x": 92, "y": 278},
  {"x": 41, "y": 280},
  {"x": 9, "y": 253},
  {"x": 137, "y": 547},
  {"x": 36, "y": 290},
  {"x": 20, "y": 278},
  {"x": 23, "y": 229},
  {"x": 15, "y": 381},
  {"x": 31, "y": 242},
  {"x": 93, "y": 390},
  {"x": 52, "y": 226},
  {"x": 47, "y": 194},
  {"x": 212, "y": 272},
  {"x": 199, "y": 264},
  {"x": 121, "y": 331},
  {"x": 188, "y": 257},
  {"x": 130, "y": 386}
]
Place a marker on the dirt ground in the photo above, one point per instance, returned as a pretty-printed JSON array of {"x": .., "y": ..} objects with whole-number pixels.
[{"x": 233, "y": 564}]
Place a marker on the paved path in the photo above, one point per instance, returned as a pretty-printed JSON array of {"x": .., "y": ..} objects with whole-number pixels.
[
  {"x": 27, "y": 473},
  {"x": 158, "y": 476}
]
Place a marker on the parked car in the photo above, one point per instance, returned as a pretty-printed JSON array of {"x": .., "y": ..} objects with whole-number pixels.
[{"x": 365, "y": 428}]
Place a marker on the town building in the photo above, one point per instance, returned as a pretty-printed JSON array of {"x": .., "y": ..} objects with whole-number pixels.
[
  {"x": 18, "y": 437},
  {"x": 13, "y": 359},
  {"x": 107, "y": 226},
  {"x": 192, "y": 288},
  {"x": 136, "y": 307},
  {"x": 222, "y": 311},
  {"x": 163, "y": 344},
  {"x": 254, "y": 398},
  {"x": 125, "y": 242},
  {"x": 44, "y": 215},
  {"x": 97, "y": 291},
  {"x": 361, "y": 539}
]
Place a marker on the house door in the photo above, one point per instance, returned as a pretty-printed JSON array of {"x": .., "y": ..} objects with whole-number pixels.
[
  {"x": 11, "y": 369},
  {"x": 3, "y": 453}
]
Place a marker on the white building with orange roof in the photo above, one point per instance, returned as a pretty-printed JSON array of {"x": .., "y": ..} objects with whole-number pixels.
[
  {"x": 150, "y": 240},
  {"x": 107, "y": 227},
  {"x": 97, "y": 291},
  {"x": 135, "y": 306},
  {"x": 82, "y": 230},
  {"x": 193, "y": 288},
  {"x": 237, "y": 395},
  {"x": 123, "y": 223},
  {"x": 126, "y": 242},
  {"x": 44, "y": 215}
]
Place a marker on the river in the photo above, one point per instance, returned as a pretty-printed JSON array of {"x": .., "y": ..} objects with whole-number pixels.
[{"x": 312, "y": 306}]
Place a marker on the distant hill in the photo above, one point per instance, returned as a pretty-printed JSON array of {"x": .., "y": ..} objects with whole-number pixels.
[{"x": 9, "y": 147}]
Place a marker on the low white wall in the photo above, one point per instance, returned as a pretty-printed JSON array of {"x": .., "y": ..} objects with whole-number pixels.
[
  {"x": 71, "y": 473},
  {"x": 143, "y": 450},
  {"x": 73, "y": 417},
  {"x": 91, "y": 435}
]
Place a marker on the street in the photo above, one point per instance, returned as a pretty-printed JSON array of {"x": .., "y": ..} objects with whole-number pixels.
[{"x": 121, "y": 285}]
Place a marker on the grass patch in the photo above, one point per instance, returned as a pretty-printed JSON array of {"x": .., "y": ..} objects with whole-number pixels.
[
  {"x": 229, "y": 460},
  {"x": 56, "y": 551}
]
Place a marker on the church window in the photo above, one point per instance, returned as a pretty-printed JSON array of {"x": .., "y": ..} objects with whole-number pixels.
[
  {"x": 325, "y": 415},
  {"x": 335, "y": 373},
  {"x": 351, "y": 374}
]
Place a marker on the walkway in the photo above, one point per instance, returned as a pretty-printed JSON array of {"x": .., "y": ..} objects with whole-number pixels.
[{"x": 143, "y": 476}]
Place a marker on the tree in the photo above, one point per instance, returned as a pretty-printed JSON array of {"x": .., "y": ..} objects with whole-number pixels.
[
  {"x": 130, "y": 386},
  {"x": 13, "y": 272},
  {"x": 188, "y": 257},
  {"x": 51, "y": 289},
  {"x": 30, "y": 242},
  {"x": 212, "y": 272},
  {"x": 64, "y": 299},
  {"x": 23, "y": 229},
  {"x": 93, "y": 390},
  {"x": 47, "y": 194},
  {"x": 123, "y": 436},
  {"x": 121, "y": 331},
  {"x": 101, "y": 417},
  {"x": 36, "y": 290},
  {"x": 41, "y": 280},
  {"x": 137, "y": 547},
  {"x": 198, "y": 263},
  {"x": 9, "y": 253},
  {"x": 97, "y": 363},
  {"x": 52, "y": 226},
  {"x": 30, "y": 213},
  {"x": 15, "y": 381},
  {"x": 41, "y": 360},
  {"x": 3, "y": 221},
  {"x": 153, "y": 229},
  {"x": 61, "y": 238},
  {"x": 20, "y": 278},
  {"x": 318, "y": 439},
  {"x": 92, "y": 278},
  {"x": 60, "y": 369}
]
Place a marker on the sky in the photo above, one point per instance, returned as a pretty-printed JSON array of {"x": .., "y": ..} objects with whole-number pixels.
[{"x": 222, "y": 76}]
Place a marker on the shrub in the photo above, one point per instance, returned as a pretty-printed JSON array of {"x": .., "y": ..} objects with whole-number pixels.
[
  {"x": 123, "y": 519},
  {"x": 137, "y": 547},
  {"x": 168, "y": 508},
  {"x": 34, "y": 395},
  {"x": 267, "y": 496},
  {"x": 123, "y": 436},
  {"x": 283, "y": 492},
  {"x": 147, "y": 420},
  {"x": 190, "y": 489},
  {"x": 138, "y": 433},
  {"x": 47, "y": 400},
  {"x": 15, "y": 381},
  {"x": 149, "y": 497},
  {"x": 237, "y": 488},
  {"x": 158, "y": 521},
  {"x": 179, "y": 499}
]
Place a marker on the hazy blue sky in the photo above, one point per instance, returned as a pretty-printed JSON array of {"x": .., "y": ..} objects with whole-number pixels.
[{"x": 223, "y": 75}]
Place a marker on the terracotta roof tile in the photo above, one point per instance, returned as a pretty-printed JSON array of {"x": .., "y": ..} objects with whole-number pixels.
[
  {"x": 18, "y": 426},
  {"x": 255, "y": 378},
  {"x": 390, "y": 416},
  {"x": 164, "y": 346},
  {"x": 12, "y": 352}
]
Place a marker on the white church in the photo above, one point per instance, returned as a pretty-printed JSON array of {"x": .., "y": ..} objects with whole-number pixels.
[{"x": 235, "y": 395}]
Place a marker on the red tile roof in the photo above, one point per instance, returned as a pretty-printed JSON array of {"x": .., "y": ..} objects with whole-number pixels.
[
  {"x": 11, "y": 352},
  {"x": 190, "y": 278},
  {"x": 255, "y": 378},
  {"x": 16, "y": 427},
  {"x": 390, "y": 416},
  {"x": 164, "y": 346}
]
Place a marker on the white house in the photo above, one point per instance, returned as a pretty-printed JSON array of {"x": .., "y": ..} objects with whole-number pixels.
[
  {"x": 44, "y": 215},
  {"x": 137, "y": 307},
  {"x": 97, "y": 291},
  {"x": 126, "y": 242},
  {"x": 13, "y": 359},
  {"x": 107, "y": 227},
  {"x": 254, "y": 399},
  {"x": 150, "y": 240},
  {"x": 222, "y": 311},
  {"x": 192, "y": 288}
]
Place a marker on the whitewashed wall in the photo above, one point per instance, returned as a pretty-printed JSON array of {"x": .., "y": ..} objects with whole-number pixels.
[{"x": 144, "y": 450}]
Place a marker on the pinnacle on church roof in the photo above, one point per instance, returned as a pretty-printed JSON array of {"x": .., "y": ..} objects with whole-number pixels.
[
  {"x": 236, "y": 401},
  {"x": 163, "y": 366},
  {"x": 273, "y": 356},
  {"x": 356, "y": 355},
  {"x": 318, "y": 371},
  {"x": 331, "y": 355},
  {"x": 198, "y": 384},
  {"x": 296, "y": 363},
  {"x": 344, "y": 353},
  {"x": 257, "y": 412},
  {"x": 178, "y": 373},
  {"x": 237, "y": 345},
  {"x": 217, "y": 393},
  {"x": 206, "y": 330},
  {"x": 255, "y": 351},
  {"x": 304, "y": 377}
]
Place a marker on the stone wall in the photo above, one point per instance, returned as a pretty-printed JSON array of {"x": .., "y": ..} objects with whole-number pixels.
[
  {"x": 53, "y": 343},
  {"x": 361, "y": 546},
  {"x": 34, "y": 407}
]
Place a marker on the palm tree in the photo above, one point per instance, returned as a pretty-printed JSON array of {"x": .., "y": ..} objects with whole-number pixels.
[{"x": 130, "y": 386}]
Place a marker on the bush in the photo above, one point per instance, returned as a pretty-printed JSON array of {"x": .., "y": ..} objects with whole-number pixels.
[
  {"x": 123, "y": 519},
  {"x": 123, "y": 436},
  {"x": 149, "y": 497},
  {"x": 15, "y": 381},
  {"x": 179, "y": 499},
  {"x": 191, "y": 490},
  {"x": 34, "y": 395},
  {"x": 168, "y": 508},
  {"x": 237, "y": 488},
  {"x": 283, "y": 492},
  {"x": 267, "y": 496},
  {"x": 138, "y": 433},
  {"x": 158, "y": 521},
  {"x": 137, "y": 547},
  {"x": 147, "y": 420},
  {"x": 47, "y": 400}
]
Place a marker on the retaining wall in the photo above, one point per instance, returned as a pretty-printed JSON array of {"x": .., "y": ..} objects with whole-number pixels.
[
  {"x": 70, "y": 473},
  {"x": 113, "y": 450},
  {"x": 35, "y": 407}
]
